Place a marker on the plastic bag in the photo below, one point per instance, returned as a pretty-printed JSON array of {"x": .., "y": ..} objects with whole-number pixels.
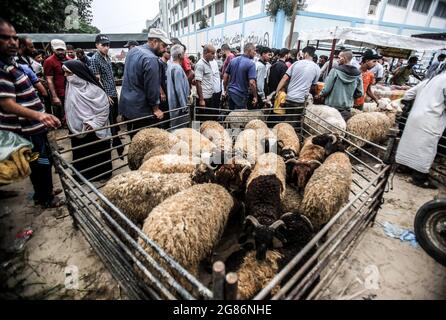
[{"x": 11, "y": 142}]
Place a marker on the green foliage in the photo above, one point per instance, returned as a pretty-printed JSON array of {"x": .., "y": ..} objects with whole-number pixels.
[
  {"x": 47, "y": 16},
  {"x": 274, "y": 6}
]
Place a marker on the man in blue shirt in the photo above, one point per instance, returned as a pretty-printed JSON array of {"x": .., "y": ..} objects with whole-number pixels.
[
  {"x": 140, "y": 95},
  {"x": 240, "y": 78}
]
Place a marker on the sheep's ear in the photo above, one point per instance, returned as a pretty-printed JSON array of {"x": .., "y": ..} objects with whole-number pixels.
[{"x": 277, "y": 243}]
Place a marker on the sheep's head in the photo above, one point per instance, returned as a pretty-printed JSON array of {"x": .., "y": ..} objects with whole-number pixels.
[
  {"x": 299, "y": 229},
  {"x": 265, "y": 237},
  {"x": 330, "y": 142},
  {"x": 285, "y": 153},
  {"x": 299, "y": 173},
  {"x": 203, "y": 174}
]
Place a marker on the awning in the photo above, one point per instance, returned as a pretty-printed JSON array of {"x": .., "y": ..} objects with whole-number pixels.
[{"x": 363, "y": 37}]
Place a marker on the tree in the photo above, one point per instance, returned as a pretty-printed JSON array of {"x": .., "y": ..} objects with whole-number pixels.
[
  {"x": 49, "y": 16},
  {"x": 274, "y": 6}
]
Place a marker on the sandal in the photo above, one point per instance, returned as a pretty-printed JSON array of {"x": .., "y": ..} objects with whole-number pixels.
[{"x": 56, "y": 202}]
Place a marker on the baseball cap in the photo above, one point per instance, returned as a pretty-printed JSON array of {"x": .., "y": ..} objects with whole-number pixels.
[
  {"x": 371, "y": 54},
  {"x": 102, "y": 39},
  {"x": 58, "y": 44},
  {"x": 159, "y": 34},
  {"x": 131, "y": 43}
]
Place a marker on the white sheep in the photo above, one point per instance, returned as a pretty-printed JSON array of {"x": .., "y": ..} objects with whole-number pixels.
[
  {"x": 238, "y": 119},
  {"x": 371, "y": 126},
  {"x": 319, "y": 116},
  {"x": 248, "y": 145},
  {"x": 170, "y": 163},
  {"x": 198, "y": 144}
]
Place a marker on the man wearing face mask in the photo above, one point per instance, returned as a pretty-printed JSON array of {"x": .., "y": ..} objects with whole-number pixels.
[
  {"x": 54, "y": 74},
  {"x": 140, "y": 95},
  {"x": 22, "y": 112}
]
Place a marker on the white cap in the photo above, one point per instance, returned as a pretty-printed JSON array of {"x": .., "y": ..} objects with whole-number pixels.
[
  {"x": 159, "y": 34},
  {"x": 58, "y": 44}
]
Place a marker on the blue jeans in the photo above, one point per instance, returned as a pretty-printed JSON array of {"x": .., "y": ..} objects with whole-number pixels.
[{"x": 236, "y": 101}]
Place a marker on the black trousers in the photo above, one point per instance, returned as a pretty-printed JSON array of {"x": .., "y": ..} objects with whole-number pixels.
[
  {"x": 41, "y": 169},
  {"x": 208, "y": 114}
]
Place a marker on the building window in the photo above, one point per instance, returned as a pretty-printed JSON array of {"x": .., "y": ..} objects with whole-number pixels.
[
  {"x": 210, "y": 11},
  {"x": 248, "y": 1},
  {"x": 185, "y": 24},
  {"x": 441, "y": 10},
  {"x": 399, "y": 3},
  {"x": 422, "y": 6},
  {"x": 236, "y": 3},
  {"x": 219, "y": 7},
  {"x": 184, "y": 3},
  {"x": 192, "y": 19}
]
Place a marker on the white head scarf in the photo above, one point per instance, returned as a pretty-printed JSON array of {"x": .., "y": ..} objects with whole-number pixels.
[{"x": 86, "y": 104}]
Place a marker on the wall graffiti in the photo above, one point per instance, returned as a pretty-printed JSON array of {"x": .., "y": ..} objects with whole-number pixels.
[{"x": 238, "y": 38}]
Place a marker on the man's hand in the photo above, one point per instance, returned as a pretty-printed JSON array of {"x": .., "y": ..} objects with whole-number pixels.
[
  {"x": 163, "y": 97},
  {"x": 158, "y": 114},
  {"x": 202, "y": 103},
  {"x": 254, "y": 101},
  {"x": 224, "y": 95},
  {"x": 110, "y": 100},
  {"x": 56, "y": 102},
  {"x": 49, "y": 120}
]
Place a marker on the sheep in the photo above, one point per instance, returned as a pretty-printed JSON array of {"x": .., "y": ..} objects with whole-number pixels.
[
  {"x": 267, "y": 137},
  {"x": 287, "y": 140},
  {"x": 170, "y": 163},
  {"x": 215, "y": 132},
  {"x": 371, "y": 126},
  {"x": 254, "y": 274},
  {"x": 248, "y": 145},
  {"x": 233, "y": 175},
  {"x": 198, "y": 143},
  {"x": 312, "y": 155},
  {"x": 328, "y": 190},
  {"x": 188, "y": 225},
  {"x": 239, "y": 118},
  {"x": 317, "y": 116},
  {"x": 265, "y": 189},
  {"x": 146, "y": 141},
  {"x": 136, "y": 193}
]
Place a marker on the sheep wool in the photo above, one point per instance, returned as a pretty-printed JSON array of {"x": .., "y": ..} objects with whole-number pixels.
[
  {"x": 188, "y": 225},
  {"x": 239, "y": 118},
  {"x": 292, "y": 200},
  {"x": 145, "y": 141},
  {"x": 198, "y": 144},
  {"x": 328, "y": 190},
  {"x": 170, "y": 163},
  {"x": 371, "y": 126},
  {"x": 136, "y": 193},
  {"x": 319, "y": 116},
  {"x": 287, "y": 138},
  {"x": 254, "y": 275},
  {"x": 215, "y": 132},
  {"x": 270, "y": 164},
  {"x": 248, "y": 145}
]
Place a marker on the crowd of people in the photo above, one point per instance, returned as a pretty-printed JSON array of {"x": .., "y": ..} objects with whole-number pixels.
[{"x": 72, "y": 89}]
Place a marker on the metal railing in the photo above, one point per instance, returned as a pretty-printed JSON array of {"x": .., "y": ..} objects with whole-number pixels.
[{"x": 159, "y": 276}]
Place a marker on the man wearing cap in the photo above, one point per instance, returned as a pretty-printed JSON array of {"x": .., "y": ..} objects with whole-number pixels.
[
  {"x": 131, "y": 44},
  {"x": 100, "y": 65},
  {"x": 369, "y": 60},
  {"x": 140, "y": 95},
  {"x": 52, "y": 68}
]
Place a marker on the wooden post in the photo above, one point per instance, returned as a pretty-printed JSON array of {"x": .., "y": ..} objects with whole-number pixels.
[
  {"x": 218, "y": 280},
  {"x": 293, "y": 21},
  {"x": 231, "y": 287},
  {"x": 298, "y": 45},
  {"x": 333, "y": 48}
]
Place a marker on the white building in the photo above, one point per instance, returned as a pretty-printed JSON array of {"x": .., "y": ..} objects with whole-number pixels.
[{"x": 237, "y": 21}]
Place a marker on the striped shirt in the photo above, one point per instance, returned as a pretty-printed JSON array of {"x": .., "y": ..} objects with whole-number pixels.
[
  {"x": 102, "y": 66},
  {"x": 15, "y": 84}
]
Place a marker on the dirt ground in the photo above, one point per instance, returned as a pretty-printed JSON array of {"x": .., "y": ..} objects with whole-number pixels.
[{"x": 379, "y": 268}]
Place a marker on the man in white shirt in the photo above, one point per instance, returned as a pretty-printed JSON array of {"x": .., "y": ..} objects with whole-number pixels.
[
  {"x": 262, "y": 67},
  {"x": 204, "y": 81}
]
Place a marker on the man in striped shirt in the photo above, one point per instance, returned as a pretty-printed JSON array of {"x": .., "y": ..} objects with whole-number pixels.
[{"x": 22, "y": 112}]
